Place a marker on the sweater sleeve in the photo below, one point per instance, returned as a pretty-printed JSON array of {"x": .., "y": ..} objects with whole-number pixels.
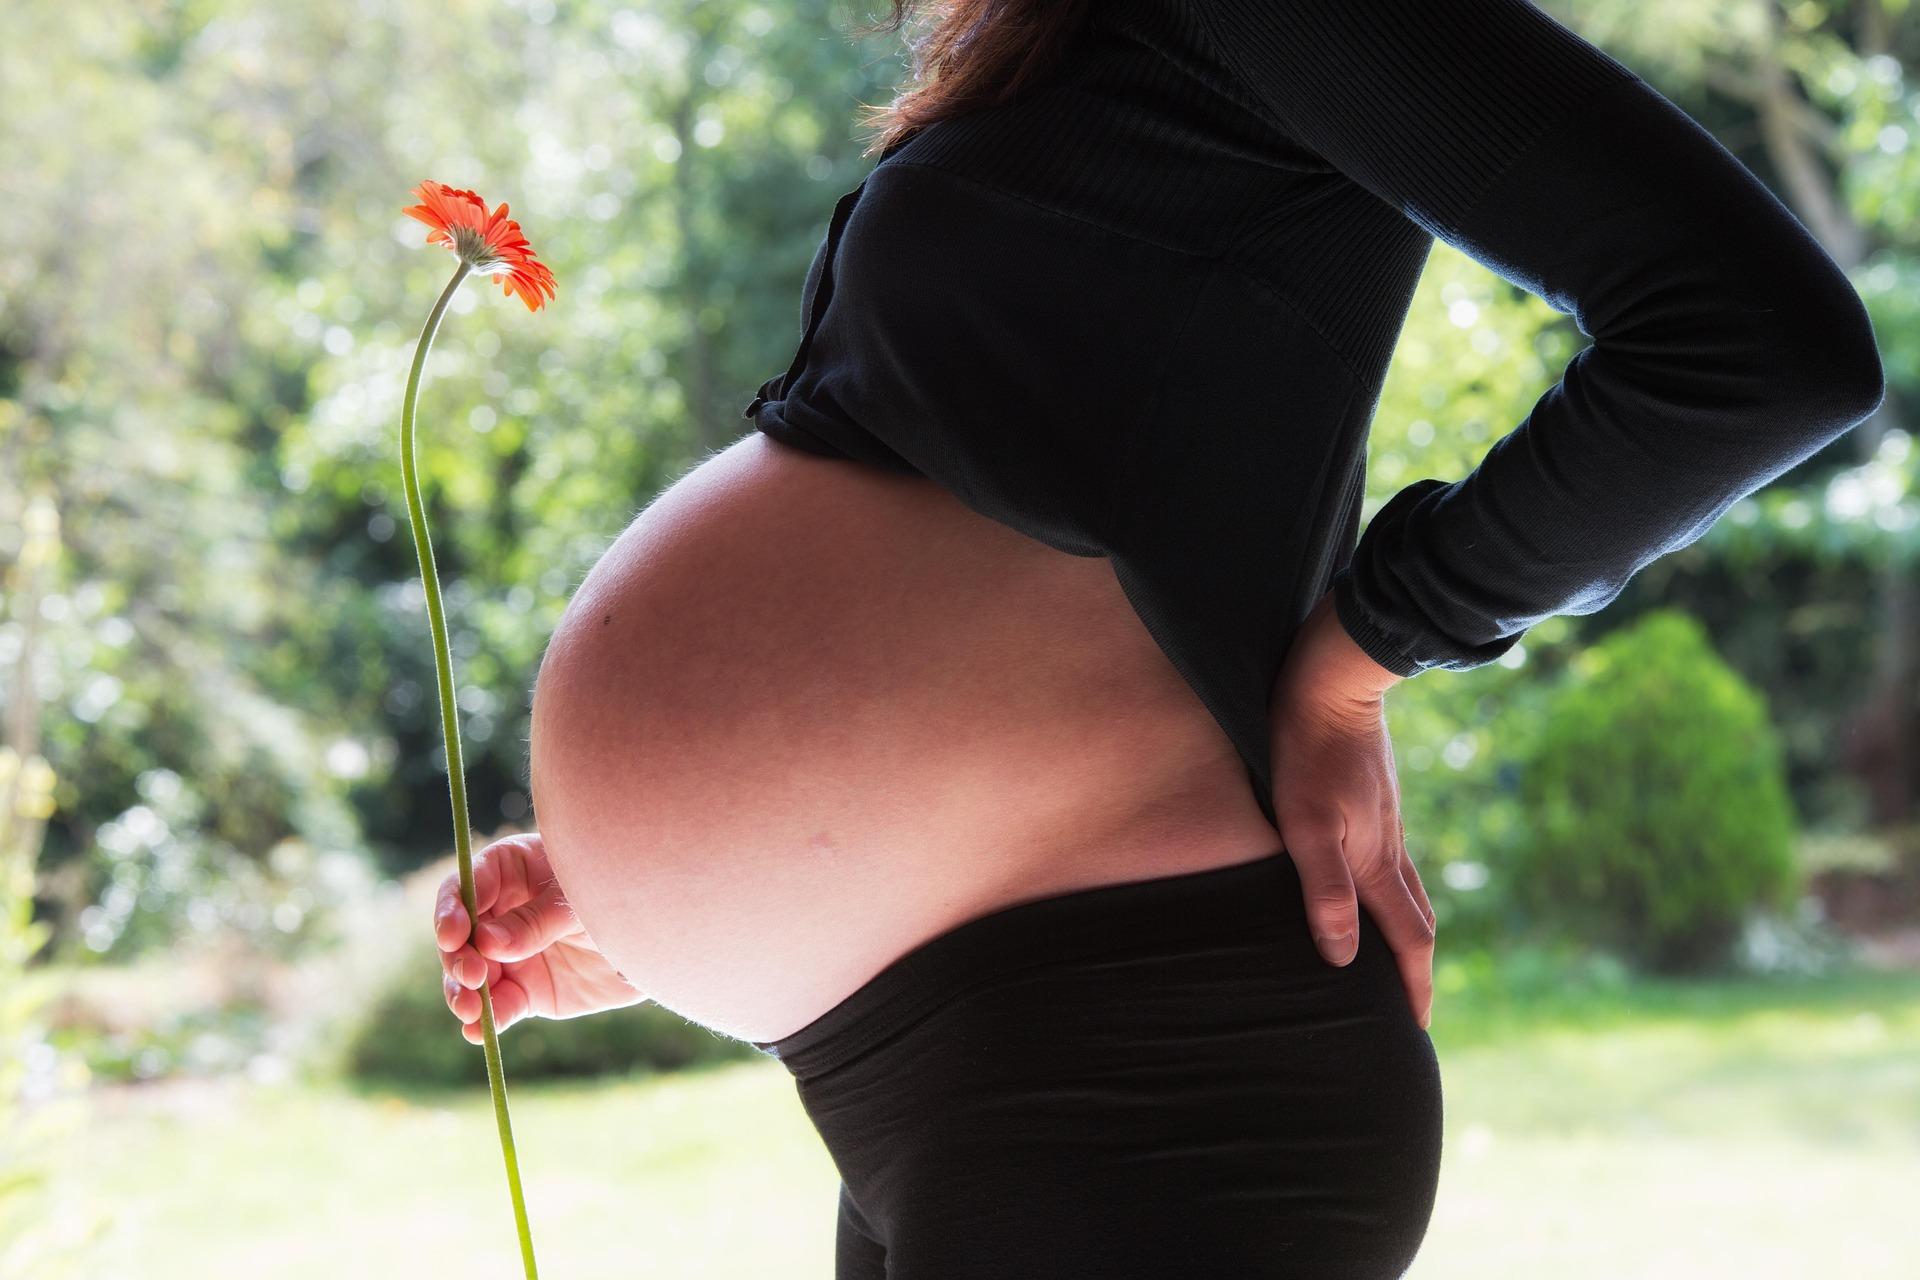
[{"x": 1727, "y": 346}]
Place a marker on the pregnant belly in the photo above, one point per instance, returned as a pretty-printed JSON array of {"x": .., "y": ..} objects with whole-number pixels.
[{"x": 804, "y": 715}]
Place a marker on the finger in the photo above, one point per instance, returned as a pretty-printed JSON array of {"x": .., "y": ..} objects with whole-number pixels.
[
  {"x": 497, "y": 870},
  {"x": 528, "y": 929},
  {"x": 1332, "y": 913},
  {"x": 1405, "y": 926},
  {"x": 449, "y": 915},
  {"x": 1411, "y": 874},
  {"x": 515, "y": 870},
  {"x": 491, "y": 866},
  {"x": 510, "y": 1003},
  {"x": 464, "y": 1003},
  {"x": 465, "y": 966}
]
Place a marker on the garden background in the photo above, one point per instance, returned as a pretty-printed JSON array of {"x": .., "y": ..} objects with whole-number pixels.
[{"x": 1673, "y": 846}]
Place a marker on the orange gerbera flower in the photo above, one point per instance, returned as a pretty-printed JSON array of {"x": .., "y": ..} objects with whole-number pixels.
[{"x": 490, "y": 243}]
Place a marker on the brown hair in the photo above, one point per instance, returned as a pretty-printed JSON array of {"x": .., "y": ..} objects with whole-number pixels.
[{"x": 976, "y": 53}]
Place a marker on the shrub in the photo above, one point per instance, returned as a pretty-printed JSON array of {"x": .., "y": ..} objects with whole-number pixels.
[
  {"x": 1658, "y": 806},
  {"x": 406, "y": 1035}
]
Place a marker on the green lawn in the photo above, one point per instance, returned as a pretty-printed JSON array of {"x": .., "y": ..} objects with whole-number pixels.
[{"x": 1746, "y": 1130}]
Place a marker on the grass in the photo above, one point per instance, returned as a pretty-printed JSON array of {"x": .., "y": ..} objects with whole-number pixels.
[
  {"x": 1723, "y": 1129},
  {"x": 1749, "y": 1130}
]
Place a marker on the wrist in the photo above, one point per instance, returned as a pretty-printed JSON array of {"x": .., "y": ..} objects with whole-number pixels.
[
  {"x": 1374, "y": 658},
  {"x": 1346, "y": 664}
]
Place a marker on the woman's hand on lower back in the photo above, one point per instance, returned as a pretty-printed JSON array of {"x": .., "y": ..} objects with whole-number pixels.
[
  {"x": 1337, "y": 797},
  {"x": 529, "y": 947}
]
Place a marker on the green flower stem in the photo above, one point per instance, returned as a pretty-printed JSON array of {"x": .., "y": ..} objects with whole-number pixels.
[{"x": 456, "y": 771}]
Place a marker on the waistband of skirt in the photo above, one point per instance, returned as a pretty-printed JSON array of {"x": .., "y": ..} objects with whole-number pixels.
[{"x": 1108, "y": 918}]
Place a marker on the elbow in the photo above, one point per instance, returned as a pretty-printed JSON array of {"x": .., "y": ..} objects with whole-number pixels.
[
  {"x": 1808, "y": 373},
  {"x": 1778, "y": 344},
  {"x": 1869, "y": 388},
  {"x": 1831, "y": 359},
  {"x": 1868, "y": 385},
  {"x": 1851, "y": 370}
]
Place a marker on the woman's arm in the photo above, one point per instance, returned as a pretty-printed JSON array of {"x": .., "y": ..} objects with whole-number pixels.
[{"x": 1727, "y": 345}]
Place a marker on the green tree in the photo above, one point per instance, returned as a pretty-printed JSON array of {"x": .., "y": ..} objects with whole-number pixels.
[{"x": 1658, "y": 809}]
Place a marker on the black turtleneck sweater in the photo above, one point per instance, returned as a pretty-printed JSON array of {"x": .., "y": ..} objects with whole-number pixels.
[{"x": 1144, "y": 312}]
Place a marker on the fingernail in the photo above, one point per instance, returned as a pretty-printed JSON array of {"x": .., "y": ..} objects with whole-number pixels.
[
  {"x": 1337, "y": 950},
  {"x": 492, "y": 935}
]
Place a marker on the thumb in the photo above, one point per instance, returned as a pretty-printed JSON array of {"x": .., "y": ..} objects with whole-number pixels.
[{"x": 528, "y": 929}]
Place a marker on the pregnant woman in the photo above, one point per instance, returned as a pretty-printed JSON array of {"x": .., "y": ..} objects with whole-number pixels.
[{"x": 995, "y": 735}]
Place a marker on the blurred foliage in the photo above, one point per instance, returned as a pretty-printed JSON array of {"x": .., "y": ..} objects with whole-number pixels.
[
  {"x": 209, "y": 1040},
  {"x": 205, "y": 317},
  {"x": 1658, "y": 815},
  {"x": 209, "y": 300},
  {"x": 30, "y": 1069},
  {"x": 406, "y": 1036}
]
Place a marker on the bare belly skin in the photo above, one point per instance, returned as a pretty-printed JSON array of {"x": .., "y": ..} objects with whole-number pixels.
[{"x": 805, "y": 715}]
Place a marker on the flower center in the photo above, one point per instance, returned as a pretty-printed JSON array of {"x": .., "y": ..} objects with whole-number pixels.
[{"x": 472, "y": 248}]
